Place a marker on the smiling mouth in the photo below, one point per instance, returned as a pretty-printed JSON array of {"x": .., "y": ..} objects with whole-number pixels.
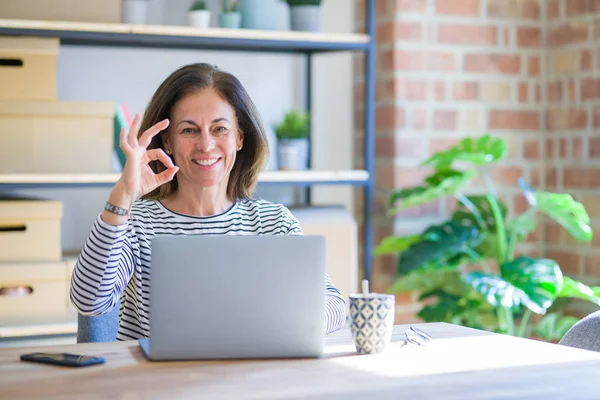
[{"x": 206, "y": 162}]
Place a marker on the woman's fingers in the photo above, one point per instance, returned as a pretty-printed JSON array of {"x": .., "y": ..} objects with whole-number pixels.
[
  {"x": 123, "y": 140},
  {"x": 159, "y": 154},
  {"x": 147, "y": 136},
  {"x": 133, "y": 131},
  {"x": 167, "y": 175}
]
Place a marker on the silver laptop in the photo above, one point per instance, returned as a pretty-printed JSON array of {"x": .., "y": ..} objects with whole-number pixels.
[{"x": 236, "y": 297}]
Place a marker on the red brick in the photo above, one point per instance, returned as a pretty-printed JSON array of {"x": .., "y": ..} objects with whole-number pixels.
[
  {"x": 466, "y": 8},
  {"x": 468, "y": 90},
  {"x": 590, "y": 88},
  {"x": 587, "y": 62},
  {"x": 391, "y": 146},
  {"x": 437, "y": 144},
  {"x": 571, "y": 86},
  {"x": 531, "y": 149},
  {"x": 550, "y": 148},
  {"x": 578, "y": 7},
  {"x": 554, "y": 91},
  {"x": 577, "y": 148},
  {"x": 551, "y": 177},
  {"x": 359, "y": 92},
  {"x": 467, "y": 34},
  {"x": 514, "y": 120},
  {"x": 534, "y": 66},
  {"x": 523, "y": 92},
  {"x": 385, "y": 90},
  {"x": 390, "y": 32},
  {"x": 439, "y": 90},
  {"x": 410, "y": 89},
  {"x": 581, "y": 177},
  {"x": 563, "y": 118},
  {"x": 553, "y": 9},
  {"x": 553, "y": 232},
  {"x": 444, "y": 119},
  {"x": 505, "y": 175},
  {"x": 419, "y": 118},
  {"x": 382, "y": 8},
  {"x": 591, "y": 265},
  {"x": 389, "y": 117},
  {"x": 596, "y": 117},
  {"x": 359, "y": 65},
  {"x": 525, "y": 9},
  {"x": 424, "y": 61},
  {"x": 594, "y": 144},
  {"x": 562, "y": 148},
  {"x": 567, "y": 34},
  {"x": 529, "y": 37},
  {"x": 493, "y": 63},
  {"x": 404, "y": 6},
  {"x": 570, "y": 263},
  {"x": 431, "y": 209}
]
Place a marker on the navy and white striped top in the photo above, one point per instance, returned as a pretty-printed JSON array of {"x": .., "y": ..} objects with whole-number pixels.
[{"x": 110, "y": 265}]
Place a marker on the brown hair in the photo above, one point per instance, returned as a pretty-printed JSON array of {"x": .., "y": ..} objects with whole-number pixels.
[{"x": 188, "y": 79}]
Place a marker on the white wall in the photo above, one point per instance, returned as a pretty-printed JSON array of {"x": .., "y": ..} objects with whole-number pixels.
[{"x": 130, "y": 75}]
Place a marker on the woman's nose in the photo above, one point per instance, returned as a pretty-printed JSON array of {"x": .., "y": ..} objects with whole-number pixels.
[{"x": 206, "y": 142}]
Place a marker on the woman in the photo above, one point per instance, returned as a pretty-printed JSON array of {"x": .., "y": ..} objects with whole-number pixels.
[{"x": 191, "y": 170}]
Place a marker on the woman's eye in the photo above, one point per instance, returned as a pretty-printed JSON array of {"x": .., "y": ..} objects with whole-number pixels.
[
  {"x": 221, "y": 129},
  {"x": 189, "y": 130}
]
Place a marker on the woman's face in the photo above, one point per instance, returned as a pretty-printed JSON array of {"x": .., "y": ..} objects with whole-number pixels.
[{"x": 203, "y": 138}]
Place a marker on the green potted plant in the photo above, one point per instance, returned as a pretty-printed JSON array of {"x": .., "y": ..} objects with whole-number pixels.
[
  {"x": 468, "y": 270},
  {"x": 230, "y": 17},
  {"x": 199, "y": 14},
  {"x": 292, "y": 141},
  {"x": 305, "y": 15}
]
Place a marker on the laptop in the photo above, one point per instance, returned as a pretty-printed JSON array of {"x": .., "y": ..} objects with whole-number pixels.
[{"x": 236, "y": 297}]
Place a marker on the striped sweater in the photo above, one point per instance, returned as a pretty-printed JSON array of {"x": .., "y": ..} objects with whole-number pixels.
[{"x": 113, "y": 264}]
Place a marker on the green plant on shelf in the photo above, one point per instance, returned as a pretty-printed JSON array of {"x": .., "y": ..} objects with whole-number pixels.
[
  {"x": 198, "y": 5},
  {"x": 230, "y": 6},
  {"x": 295, "y": 125},
  {"x": 467, "y": 270}
]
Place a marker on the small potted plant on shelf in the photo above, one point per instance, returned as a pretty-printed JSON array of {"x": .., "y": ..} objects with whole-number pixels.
[
  {"x": 305, "y": 15},
  {"x": 292, "y": 138},
  {"x": 230, "y": 17},
  {"x": 199, "y": 15}
]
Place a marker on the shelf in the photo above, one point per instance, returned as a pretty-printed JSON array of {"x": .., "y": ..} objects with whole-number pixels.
[
  {"x": 184, "y": 37},
  {"x": 293, "y": 178},
  {"x": 61, "y": 328}
]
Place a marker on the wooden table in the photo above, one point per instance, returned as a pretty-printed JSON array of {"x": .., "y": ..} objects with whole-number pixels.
[{"x": 460, "y": 363}]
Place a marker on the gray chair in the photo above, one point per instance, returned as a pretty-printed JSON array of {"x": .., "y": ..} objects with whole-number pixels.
[
  {"x": 585, "y": 334},
  {"x": 98, "y": 328}
]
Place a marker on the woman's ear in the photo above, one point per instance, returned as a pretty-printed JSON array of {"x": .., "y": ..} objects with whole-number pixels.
[
  {"x": 240, "y": 141},
  {"x": 166, "y": 142}
]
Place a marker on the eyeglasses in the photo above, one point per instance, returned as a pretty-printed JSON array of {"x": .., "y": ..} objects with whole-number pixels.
[{"x": 417, "y": 336}]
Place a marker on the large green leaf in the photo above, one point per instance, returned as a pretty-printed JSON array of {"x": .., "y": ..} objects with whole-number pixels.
[
  {"x": 521, "y": 227},
  {"x": 447, "y": 308},
  {"x": 440, "y": 244},
  {"x": 496, "y": 291},
  {"x": 554, "y": 326},
  {"x": 428, "y": 279},
  {"x": 574, "y": 289},
  {"x": 482, "y": 207},
  {"x": 562, "y": 208},
  {"x": 439, "y": 185},
  {"x": 479, "y": 151},
  {"x": 539, "y": 279},
  {"x": 395, "y": 244}
]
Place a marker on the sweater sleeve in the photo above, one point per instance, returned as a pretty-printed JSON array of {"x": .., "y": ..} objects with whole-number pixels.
[
  {"x": 103, "y": 268},
  {"x": 335, "y": 305}
]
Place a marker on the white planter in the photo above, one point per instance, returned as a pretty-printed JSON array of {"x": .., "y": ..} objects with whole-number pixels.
[
  {"x": 199, "y": 18},
  {"x": 305, "y": 18},
  {"x": 134, "y": 11},
  {"x": 293, "y": 154}
]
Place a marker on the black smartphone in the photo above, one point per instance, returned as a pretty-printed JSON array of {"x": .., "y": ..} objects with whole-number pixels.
[{"x": 67, "y": 359}]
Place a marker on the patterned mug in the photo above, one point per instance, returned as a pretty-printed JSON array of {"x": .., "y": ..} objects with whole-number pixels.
[{"x": 372, "y": 321}]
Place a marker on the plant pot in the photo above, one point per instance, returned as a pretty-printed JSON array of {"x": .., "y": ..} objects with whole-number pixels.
[
  {"x": 293, "y": 154},
  {"x": 134, "y": 11},
  {"x": 199, "y": 18},
  {"x": 231, "y": 20},
  {"x": 305, "y": 18},
  {"x": 259, "y": 14}
]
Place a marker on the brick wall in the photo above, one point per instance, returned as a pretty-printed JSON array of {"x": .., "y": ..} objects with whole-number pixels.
[
  {"x": 572, "y": 146},
  {"x": 523, "y": 69}
]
